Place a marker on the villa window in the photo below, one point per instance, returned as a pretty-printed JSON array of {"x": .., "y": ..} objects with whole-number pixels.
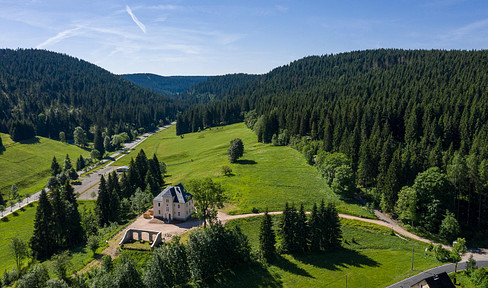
[
  {"x": 167, "y": 209},
  {"x": 167, "y": 200},
  {"x": 178, "y": 206},
  {"x": 178, "y": 213},
  {"x": 159, "y": 204}
]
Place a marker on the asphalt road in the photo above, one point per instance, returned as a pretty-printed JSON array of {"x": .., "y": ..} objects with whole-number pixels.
[
  {"x": 448, "y": 268},
  {"x": 89, "y": 183}
]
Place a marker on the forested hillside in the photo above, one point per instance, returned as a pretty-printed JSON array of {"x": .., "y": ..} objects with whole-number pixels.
[
  {"x": 47, "y": 93},
  {"x": 394, "y": 113},
  {"x": 164, "y": 85}
]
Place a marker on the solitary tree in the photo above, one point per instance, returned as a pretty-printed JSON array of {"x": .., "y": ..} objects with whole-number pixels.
[
  {"x": 19, "y": 250},
  {"x": 80, "y": 136},
  {"x": 208, "y": 196},
  {"x": 236, "y": 150},
  {"x": 267, "y": 238},
  {"x": 449, "y": 227}
]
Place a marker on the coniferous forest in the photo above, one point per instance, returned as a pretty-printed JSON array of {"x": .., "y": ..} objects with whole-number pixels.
[
  {"x": 44, "y": 93},
  {"x": 413, "y": 125}
]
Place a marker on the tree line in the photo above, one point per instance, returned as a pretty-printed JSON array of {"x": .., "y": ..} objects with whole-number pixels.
[
  {"x": 47, "y": 93},
  {"x": 393, "y": 113}
]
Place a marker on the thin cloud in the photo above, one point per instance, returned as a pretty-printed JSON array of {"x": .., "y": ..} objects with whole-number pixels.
[
  {"x": 60, "y": 36},
  {"x": 134, "y": 18}
]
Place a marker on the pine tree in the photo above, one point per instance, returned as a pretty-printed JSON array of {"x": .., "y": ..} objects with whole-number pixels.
[
  {"x": 267, "y": 239},
  {"x": 102, "y": 208},
  {"x": 55, "y": 168},
  {"x": 42, "y": 239},
  {"x": 98, "y": 141}
]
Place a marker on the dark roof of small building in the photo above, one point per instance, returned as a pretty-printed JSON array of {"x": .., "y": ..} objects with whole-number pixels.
[
  {"x": 178, "y": 193},
  {"x": 440, "y": 280}
]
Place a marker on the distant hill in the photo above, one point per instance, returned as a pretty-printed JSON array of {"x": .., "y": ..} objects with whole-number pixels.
[
  {"x": 164, "y": 85},
  {"x": 56, "y": 92}
]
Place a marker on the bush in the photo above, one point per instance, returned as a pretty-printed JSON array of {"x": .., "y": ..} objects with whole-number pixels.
[
  {"x": 226, "y": 170},
  {"x": 440, "y": 253}
]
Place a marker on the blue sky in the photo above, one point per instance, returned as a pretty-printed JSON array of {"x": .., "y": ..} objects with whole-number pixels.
[{"x": 220, "y": 37}]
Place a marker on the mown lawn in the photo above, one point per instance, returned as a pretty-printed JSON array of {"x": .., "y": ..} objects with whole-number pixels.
[
  {"x": 21, "y": 224},
  {"x": 370, "y": 257},
  {"x": 265, "y": 177},
  {"x": 28, "y": 164}
]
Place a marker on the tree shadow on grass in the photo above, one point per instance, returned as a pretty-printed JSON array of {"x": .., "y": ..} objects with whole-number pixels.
[
  {"x": 33, "y": 140},
  {"x": 337, "y": 259},
  {"x": 288, "y": 266},
  {"x": 246, "y": 162},
  {"x": 5, "y": 219},
  {"x": 248, "y": 275}
]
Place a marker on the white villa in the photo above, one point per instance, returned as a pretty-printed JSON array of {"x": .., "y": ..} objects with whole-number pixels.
[{"x": 174, "y": 203}]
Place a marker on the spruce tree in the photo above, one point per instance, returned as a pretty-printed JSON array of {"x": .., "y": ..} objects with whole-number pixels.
[
  {"x": 67, "y": 164},
  {"x": 134, "y": 176},
  {"x": 313, "y": 224},
  {"x": 302, "y": 230},
  {"x": 155, "y": 169},
  {"x": 42, "y": 239},
  {"x": 74, "y": 230},
  {"x": 55, "y": 168},
  {"x": 334, "y": 232},
  {"x": 80, "y": 163},
  {"x": 102, "y": 209},
  {"x": 126, "y": 189},
  {"x": 141, "y": 166},
  {"x": 59, "y": 218},
  {"x": 98, "y": 141},
  {"x": 288, "y": 229},
  {"x": 267, "y": 239},
  {"x": 113, "y": 189},
  {"x": 152, "y": 184}
]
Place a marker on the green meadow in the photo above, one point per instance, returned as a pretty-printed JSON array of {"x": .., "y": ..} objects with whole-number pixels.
[
  {"x": 370, "y": 257},
  {"x": 28, "y": 164},
  {"x": 20, "y": 224},
  {"x": 265, "y": 177}
]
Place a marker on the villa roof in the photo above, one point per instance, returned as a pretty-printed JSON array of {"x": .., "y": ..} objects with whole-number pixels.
[{"x": 178, "y": 193}]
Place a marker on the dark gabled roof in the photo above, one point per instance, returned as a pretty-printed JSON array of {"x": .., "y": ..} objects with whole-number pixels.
[
  {"x": 178, "y": 193},
  {"x": 440, "y": 280}
]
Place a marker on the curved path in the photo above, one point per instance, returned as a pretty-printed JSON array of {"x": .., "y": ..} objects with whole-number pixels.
[{"x": 176, "y": 229}]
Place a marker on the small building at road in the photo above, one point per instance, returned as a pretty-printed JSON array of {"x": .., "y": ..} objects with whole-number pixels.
[{"x": 173, "y": 203}]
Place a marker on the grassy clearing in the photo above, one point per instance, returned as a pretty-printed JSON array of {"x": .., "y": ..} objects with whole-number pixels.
[
  {"x": 21, "y": 224},
  {"x": 266, "y": 176},
  {"x": 369, "y": 258},
  {"x": 28, "y": 164}
]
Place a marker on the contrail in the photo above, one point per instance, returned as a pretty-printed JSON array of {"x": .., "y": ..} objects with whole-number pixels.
[
  {"x": 60, "y": 36},
  {"x": 139, "y": 23}
]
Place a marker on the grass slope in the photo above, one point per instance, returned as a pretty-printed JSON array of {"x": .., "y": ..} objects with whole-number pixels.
[
  {"x": 370, "y": 257},
  {"x": 21, "y": 224},
  {"x": 266, "y": 176},
  {"x": 28, "y": 164}
]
